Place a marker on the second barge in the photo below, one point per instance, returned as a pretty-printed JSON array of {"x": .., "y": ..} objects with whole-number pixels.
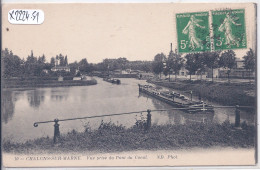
[{"x": 112, "y": 80}]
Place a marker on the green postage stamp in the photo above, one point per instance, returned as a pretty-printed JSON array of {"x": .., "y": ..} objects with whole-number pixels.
[
  {"x": 228, "y": 31},
  {"x": 193, "y": 32}
]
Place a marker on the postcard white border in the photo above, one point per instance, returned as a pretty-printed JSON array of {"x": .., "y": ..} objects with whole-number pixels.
[{"x": 160, "y": 1}]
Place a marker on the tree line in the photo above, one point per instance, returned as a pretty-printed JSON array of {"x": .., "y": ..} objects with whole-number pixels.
[
  {"x": 198, "y": 63},
  {"x": 14, "y": 66},
  {"x": 122, "y": 64},
  {"x": 195, "y": 63},
  {"x": 33, "y": 66}
]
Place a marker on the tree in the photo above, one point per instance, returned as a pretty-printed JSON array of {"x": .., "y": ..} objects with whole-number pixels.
[
  {"x": 11, "y": 64},
  {"x": 139, "y": 65},
  {"x": 41, "y": 65},
  {"x": 62, "y": 60},
  {"x": 66, "y": 61},
  {"x": 91, "y": 67},
  {"x": 122, "y": 63},
  {"x": 52, "y": 62},
  {"x": 228, "y": 60},
  {"x": 31, "y": 58},
  {"x": 112, "y": 64},
  {"x": 211, "y": 60},
  {"x": 166, "y": 71},
  {"x": 191, "y": 64},
  {"x": 146, "y": 66},
  {"x": 175, "y": 62},
  {"x": 73, "y": 68},
  {"x": 249, "y": 60},
  {"x": 83, "y": 65},
  {"x": 107, "y": 65},
  {"x": 168, "y": 65},
  {"x": 157, "y": 65},
  {"x": 31, "y": 64},
  {"x": 42, "y": 59},
  {"x": 200, "y": 62}
]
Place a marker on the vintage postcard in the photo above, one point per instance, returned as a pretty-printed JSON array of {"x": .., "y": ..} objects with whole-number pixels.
[{"x": 128, "y": 84}]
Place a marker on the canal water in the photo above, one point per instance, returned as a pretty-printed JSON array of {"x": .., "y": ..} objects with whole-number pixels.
[{"x": 21, "y": 108}]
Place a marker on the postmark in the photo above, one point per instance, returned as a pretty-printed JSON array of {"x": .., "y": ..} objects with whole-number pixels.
[
  {"x": 193, "y": 32},
  {"x": 229, "y": 29}
]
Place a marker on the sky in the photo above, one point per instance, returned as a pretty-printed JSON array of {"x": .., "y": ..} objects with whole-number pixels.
[{"x": 99, "y": 31}]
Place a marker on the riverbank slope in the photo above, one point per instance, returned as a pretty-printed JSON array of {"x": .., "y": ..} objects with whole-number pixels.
[{"x": 110, "y": 137}]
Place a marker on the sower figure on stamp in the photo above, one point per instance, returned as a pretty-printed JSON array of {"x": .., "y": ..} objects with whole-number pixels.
[
  {"x": 226, "y": 27},
  {"x": 195, "y": 42}
]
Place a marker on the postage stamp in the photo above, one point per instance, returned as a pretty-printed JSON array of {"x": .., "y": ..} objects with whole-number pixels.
[
  {"x": 193, "y": 32},
  {"x": 229, "y": 29}
]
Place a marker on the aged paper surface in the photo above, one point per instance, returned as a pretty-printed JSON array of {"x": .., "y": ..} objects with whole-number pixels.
[{"x": 75, "y": 87}]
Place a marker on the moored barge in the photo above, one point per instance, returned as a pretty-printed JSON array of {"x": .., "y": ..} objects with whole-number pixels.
[
  {"x": 112, "y": 80},
  {"x": 177, "y": 100}
]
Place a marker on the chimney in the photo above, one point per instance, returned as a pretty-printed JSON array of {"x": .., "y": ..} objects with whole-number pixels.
[{"x": 171, "y": 48}]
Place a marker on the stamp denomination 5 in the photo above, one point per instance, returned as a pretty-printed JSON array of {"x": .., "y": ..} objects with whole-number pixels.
[
  {"x": 229, "y": 29},
  {"x": 227, "y": 32},
  {"x": 193, "y": 32}
]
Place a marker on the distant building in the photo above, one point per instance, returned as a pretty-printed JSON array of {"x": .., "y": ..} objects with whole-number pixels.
[
  {"x": 238, "y": 72},
  {"x": 145, "y": 75},
  {"x": 45, "y": 71},
  {"x": 60, "y": 68},
  {"x": 60, "y": 78},
  {"x": 96, "y": 73},
  {"x": 128, "y": 71},
  {"x": 215, "y": 72},
  {"x": 84, "y": 78},
  {"x": 135, "y": 72},
  {"x": 183, "y": 72},
  {"x": 77, "y": 71},
  {"x": 240, "y": 64},
  {"x": 57, "y": 67},
  {"x": 118, "y": 71},
  {"x": 76, "y": 78}
]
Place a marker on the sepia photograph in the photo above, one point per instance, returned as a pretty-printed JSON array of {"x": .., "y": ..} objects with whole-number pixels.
[{"x": 128, "y": 84}]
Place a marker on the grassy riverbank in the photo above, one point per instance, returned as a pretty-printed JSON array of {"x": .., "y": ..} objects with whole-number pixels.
[
  {"x": 110, "y": 137},
  {"x": 45, "y": 83},
  {"x": 223, "y": 93}
]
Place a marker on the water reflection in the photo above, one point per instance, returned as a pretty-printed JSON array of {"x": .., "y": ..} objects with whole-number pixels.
[
  {"x": 35, "y": 98},
  {"x": 179, "y": 117},
  {"x": 84, "y": 93},
  {"x": 19, "y": 113},
  {"x": 198, "y": 117},
  {"x": 8, "y": 106},
  {"x": 59, "y": 94}
]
